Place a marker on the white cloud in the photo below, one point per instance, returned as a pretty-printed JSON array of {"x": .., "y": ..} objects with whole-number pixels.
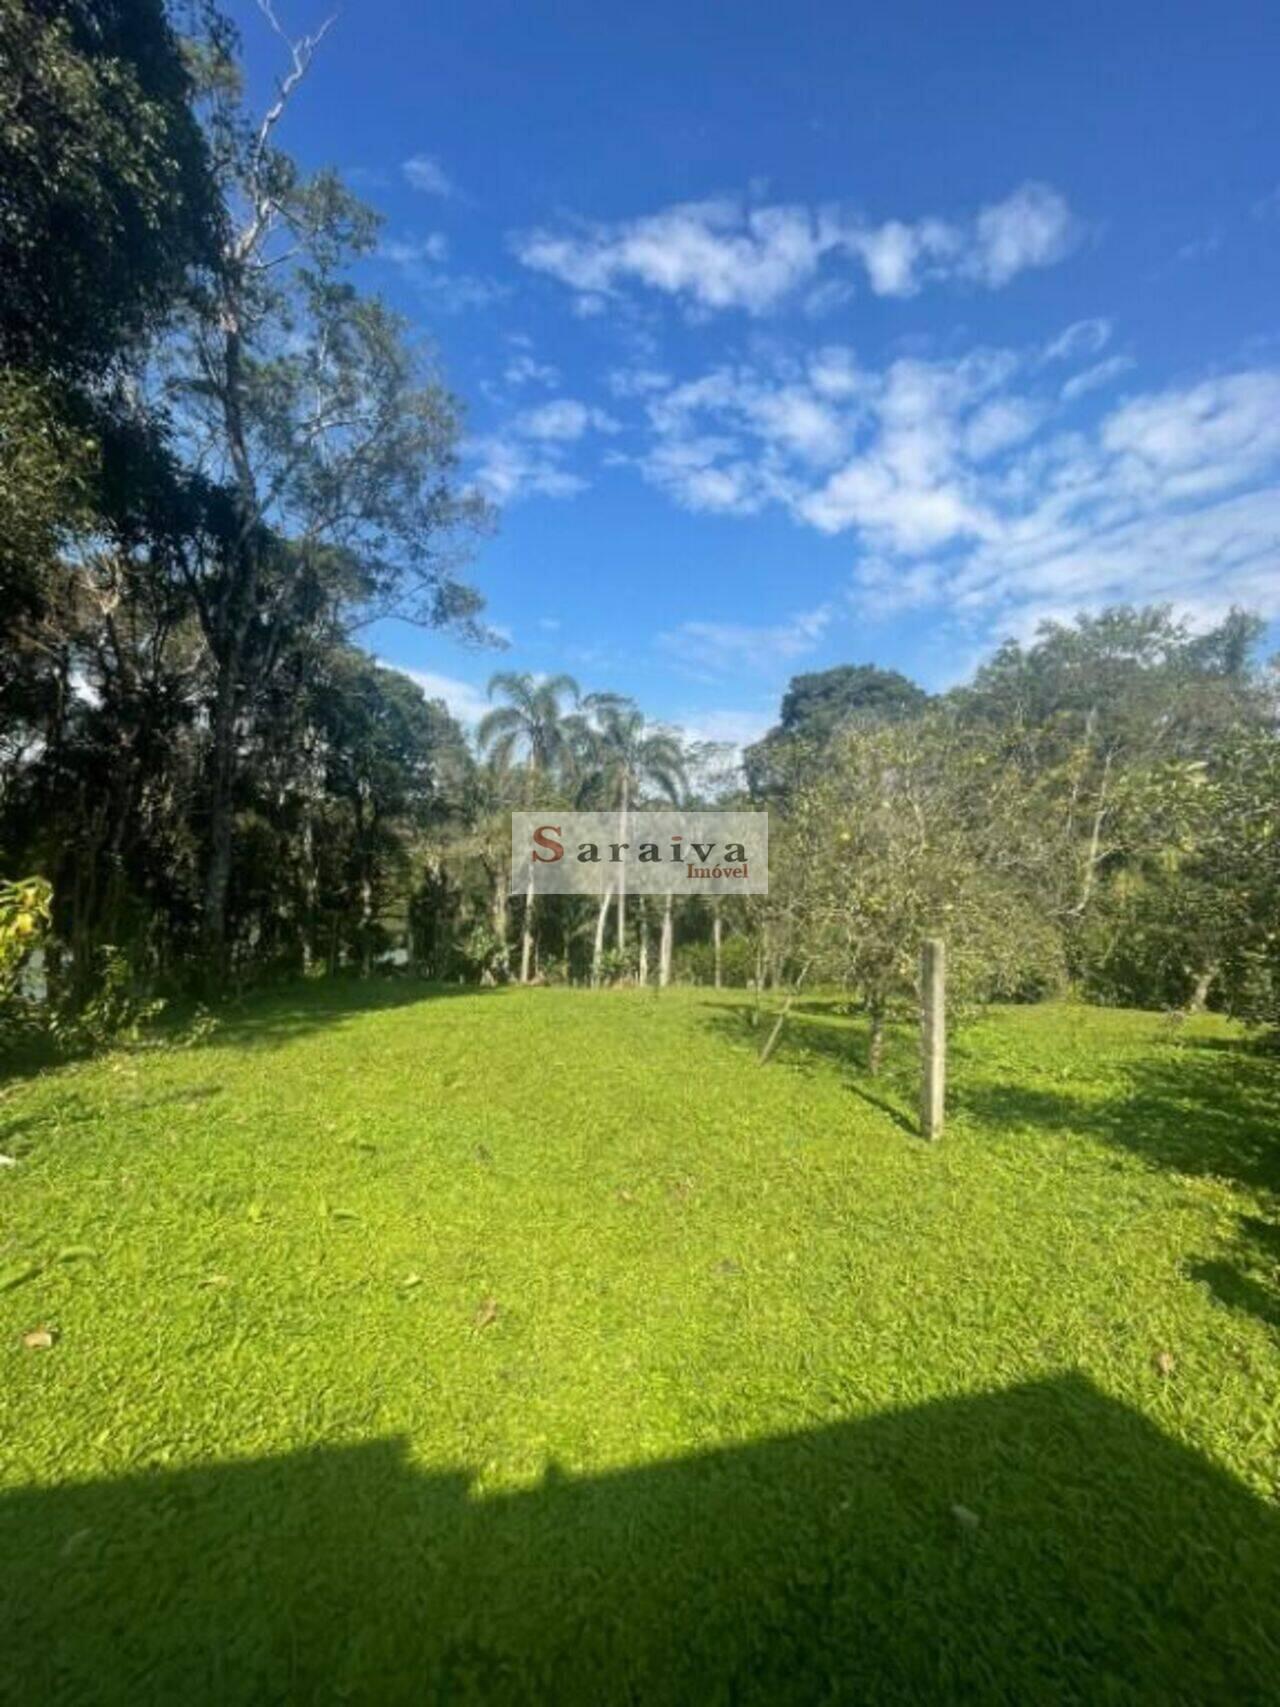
[
  {"x": 564, "y": 418},
  {"x": 972, "y": 484},
  {"x": 508, "y": 469},
  {"x": 1032, "y": 228},
  {"x": 465, "y": 701},
  {"x": 727, "y": 727},
  {"x": 528, "y": 457},
  {"x": 725, "y": 648},
  {"x": 896, "y": 254},
  {"x": 411, "y": 251},
  {"x": 524, "y": 369},
  {"x": 1100, "y": 374},
  {"x": 1201, "y": 248},
  {"x": 727, "y": 253},
  {"x": 997, "y": 425},
  {"x": 418, "y": 260},
  {"x": 1082, "y": 338},
  {"x": 425, "y": 173},
  {"x": 717, "y": 253},
  {"x": 636, "y": 381}
]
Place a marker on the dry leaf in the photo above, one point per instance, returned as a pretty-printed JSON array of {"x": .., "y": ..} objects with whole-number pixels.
[
  {"x": 1164, "y": 1364},
  {"x": 216, "y": 1280},
  {"x": 39, "y": 1339},
  {"x": 411, "y": 1280},
  {"x": 964, "y": 1517},
  {"x": 487, "y": 1314}
]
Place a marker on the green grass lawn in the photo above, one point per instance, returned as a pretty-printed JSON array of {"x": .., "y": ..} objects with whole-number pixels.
[{"x": 537, "y": 1346}]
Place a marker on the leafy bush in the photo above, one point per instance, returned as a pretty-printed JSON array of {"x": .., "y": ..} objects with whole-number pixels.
[
  {"x": 695, "y": 962},
  {"x": 25, "y": 912}
]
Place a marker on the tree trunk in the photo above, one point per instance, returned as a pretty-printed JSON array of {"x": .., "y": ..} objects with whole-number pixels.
[
  {"x": 642, "y": 926},
  {"x": 665, "y": 944},
  {"x": 597, "y": 947},
  {"x": 221, "y": 809},
  {"x": 498, "y": 916},
  {"x": 875, "y": 1046},
  {"x": 226, "y": 637},
  {"x": 622, "y": 873},
  {"x": 1199, "y": 997},
  {"x": 771, "y": 1042},
  {"x": 1094, "y": 855},
  {"x": 526, "y": 933},
  {"x": 715, "y": 941}
]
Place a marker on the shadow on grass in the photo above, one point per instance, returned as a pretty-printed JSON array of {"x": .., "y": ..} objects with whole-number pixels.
[
  {"x": 1205, "y": 1106},
  {"x": 267, "y": 1019},
  {"x": 824, "y": 1032},
  {"x": 1038, "y": 1544},
  {"x": 264, "y": 1019}
]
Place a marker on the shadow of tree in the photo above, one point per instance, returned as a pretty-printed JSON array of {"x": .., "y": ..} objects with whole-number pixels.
[
  {"x": 1039, "y": 1544},
  {"x": 275, "y": 1017},
  {"x": 267, "y": 1018},
  {"x": 824, "y": 1032},
  {"x": 1206, "y": 1107}
]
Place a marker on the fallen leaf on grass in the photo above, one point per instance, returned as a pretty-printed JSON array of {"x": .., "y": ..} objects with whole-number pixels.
[
  {"x": 1164, "y": 1364},
  {"x": 216, "y": 1280},
  {"x": 410, "y": 1281},
  {"x": 487, "y": 1314},
  {"x": 40, "y": 1339},
  {"x": 964, "y": 1517},
  {"x": 75, "y": 1253}
]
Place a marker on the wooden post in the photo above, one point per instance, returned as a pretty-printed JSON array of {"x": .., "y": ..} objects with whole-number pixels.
[{"x": 933, "y": 1035}]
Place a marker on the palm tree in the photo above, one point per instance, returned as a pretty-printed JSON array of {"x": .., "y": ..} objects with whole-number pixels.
[
  {"x": 532, "y": 723},
  {"x": 625, "y": 755}
]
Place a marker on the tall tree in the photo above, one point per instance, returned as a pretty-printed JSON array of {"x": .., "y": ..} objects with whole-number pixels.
[
  {"x": 534, "y": 726},
  {"x": 627, "y": 756},
  {"x": 815, "y": 708},
  {"x": 335, "y": 438}
]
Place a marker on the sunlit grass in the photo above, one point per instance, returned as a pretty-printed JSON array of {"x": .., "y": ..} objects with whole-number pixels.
[{"x": 558, "y": 1232}]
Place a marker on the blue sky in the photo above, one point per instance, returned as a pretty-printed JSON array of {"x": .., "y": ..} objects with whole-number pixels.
[{"x": 801, "y": 334}]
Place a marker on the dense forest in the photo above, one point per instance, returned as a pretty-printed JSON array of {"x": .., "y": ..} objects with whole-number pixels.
[{"x": 220, "y": 461}]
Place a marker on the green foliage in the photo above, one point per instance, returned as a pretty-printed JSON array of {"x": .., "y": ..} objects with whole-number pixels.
[
  {"x": 695, "y": 961},
  {"x": 25, "y": 912},
  {"x": 116, "y": 1013},
  {"x": 897, "y": 839},
  {"x": 108, "y": 200},
  {"x": 815, "y": 708},
  {"x": 24, "y": 919},
  {"x": 566, "y": 1293}
]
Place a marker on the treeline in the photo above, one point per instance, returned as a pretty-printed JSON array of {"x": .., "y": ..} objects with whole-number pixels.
[
  {"x": 219, "y": 461},
  {"x": 1098, "y": 811}
]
